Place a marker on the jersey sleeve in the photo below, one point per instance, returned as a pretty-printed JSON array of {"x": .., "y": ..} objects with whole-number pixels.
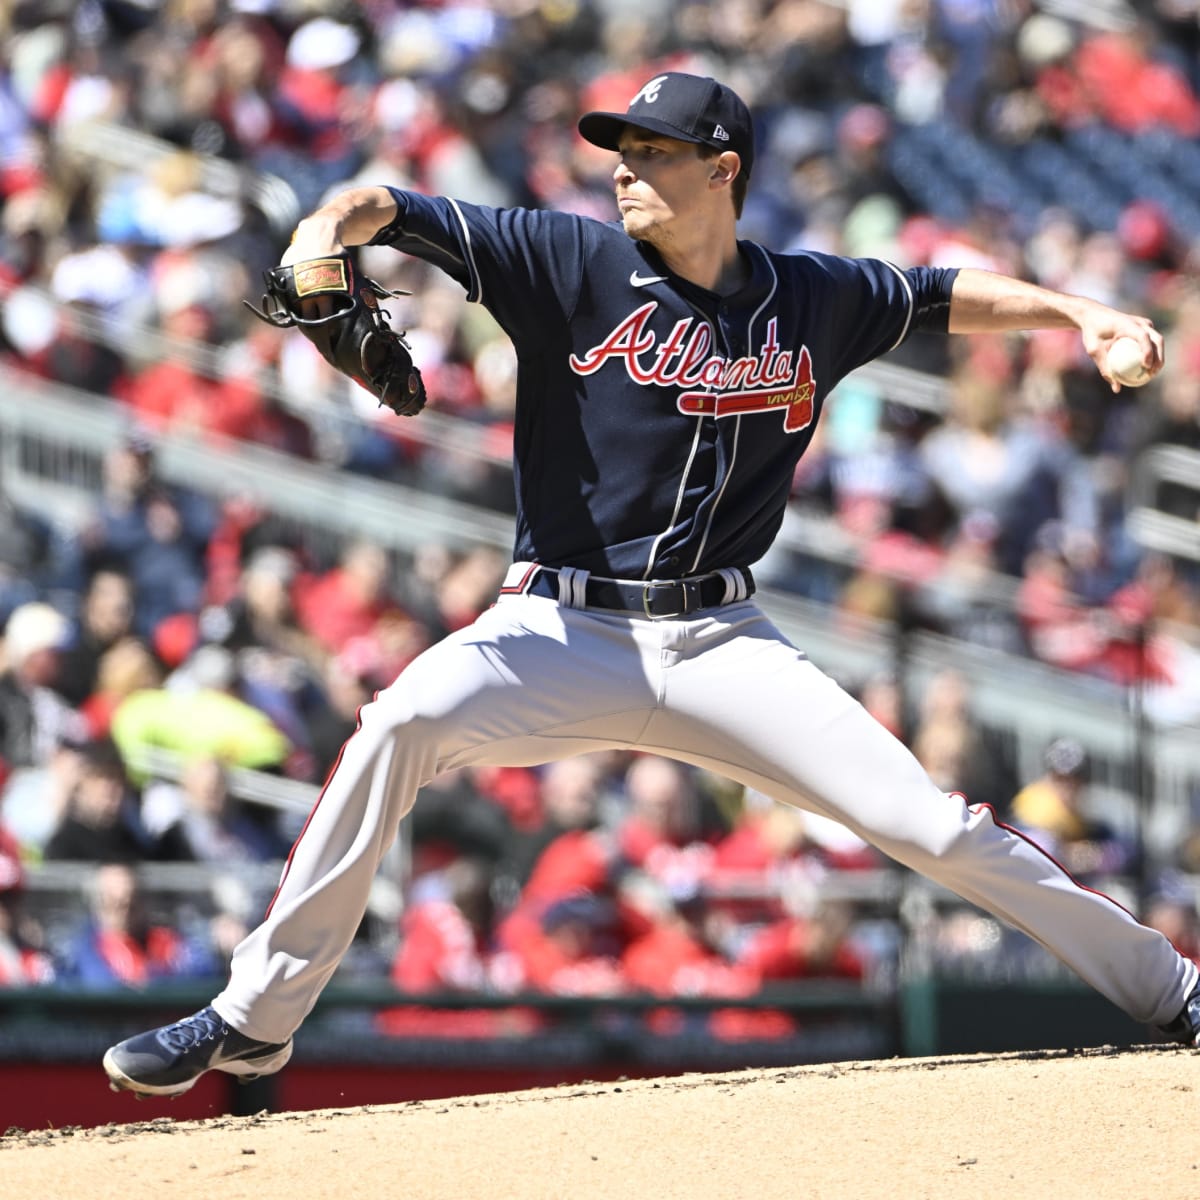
[
  {"x": 525, "y": 266},
  {"x": 873, "y": 306}
]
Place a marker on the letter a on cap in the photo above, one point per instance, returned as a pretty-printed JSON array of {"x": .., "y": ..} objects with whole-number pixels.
[{"x": 649, "y": 92}]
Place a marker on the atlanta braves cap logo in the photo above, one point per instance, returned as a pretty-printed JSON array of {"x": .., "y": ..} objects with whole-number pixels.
[
  {"x": 649, "y": 91},
  {"x": 691, "y": 108}
]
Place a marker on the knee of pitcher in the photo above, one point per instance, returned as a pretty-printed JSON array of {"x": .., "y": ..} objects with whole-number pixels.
[{"x": 933, "y": 848}]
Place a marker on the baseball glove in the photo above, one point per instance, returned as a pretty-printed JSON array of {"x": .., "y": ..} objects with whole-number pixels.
[{"x": 354, "y": 336}]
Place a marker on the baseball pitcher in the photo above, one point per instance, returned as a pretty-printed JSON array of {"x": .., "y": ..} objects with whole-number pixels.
[{"x": 670, "y": 378}]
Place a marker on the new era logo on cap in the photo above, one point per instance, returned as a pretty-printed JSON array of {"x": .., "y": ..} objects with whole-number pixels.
[{"x": 692, "y": 108}]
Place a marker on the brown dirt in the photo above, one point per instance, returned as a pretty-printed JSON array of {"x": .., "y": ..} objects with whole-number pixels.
[{"x": 1103, "y": 1124}]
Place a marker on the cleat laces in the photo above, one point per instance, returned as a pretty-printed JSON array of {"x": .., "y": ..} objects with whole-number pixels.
[{"x": 204, "y": 1026}]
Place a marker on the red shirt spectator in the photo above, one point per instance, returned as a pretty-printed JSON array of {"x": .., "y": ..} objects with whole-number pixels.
[
  {"x": 118, "y": 946},
  {"x": 442, "y": 950},
  {"x": 569, "y": 951},
  {"x": 439, "y": 949},
  {"x": 349, "y": 601},
  {"x": 671, "y": 961},
  {"x": 798, "y": 949},
  {"x": 576, "y": 864},
  {"x": 578, "y": 861},
  {"x": 661, "y": 834},
  {"x": 769, "y": 835}
]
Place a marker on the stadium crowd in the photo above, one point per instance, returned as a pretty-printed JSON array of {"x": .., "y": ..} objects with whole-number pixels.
[{"x": 172, "y": 620}]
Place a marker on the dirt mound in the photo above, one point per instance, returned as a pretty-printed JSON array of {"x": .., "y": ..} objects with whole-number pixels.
[{"x": 1103, "y": 1124}]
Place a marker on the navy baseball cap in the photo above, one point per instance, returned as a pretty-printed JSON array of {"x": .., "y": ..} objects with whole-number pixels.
[{"x": 692, "y": 108}]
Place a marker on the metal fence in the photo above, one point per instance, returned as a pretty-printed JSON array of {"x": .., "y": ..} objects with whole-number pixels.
[{"x": 1158, "y": 467}]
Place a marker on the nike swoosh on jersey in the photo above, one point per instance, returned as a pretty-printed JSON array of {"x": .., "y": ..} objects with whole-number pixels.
[{"x": 637, "y": 280}]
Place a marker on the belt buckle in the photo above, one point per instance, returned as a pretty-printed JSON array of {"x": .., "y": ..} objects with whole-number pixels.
[{"x": 682, "y": 585}]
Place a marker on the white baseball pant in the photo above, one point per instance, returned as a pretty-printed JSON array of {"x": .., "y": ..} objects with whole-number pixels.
[{"x": 532, "y": 681}]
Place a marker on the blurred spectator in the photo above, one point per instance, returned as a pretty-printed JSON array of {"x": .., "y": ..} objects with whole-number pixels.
[
  {"x": 580, "y": 860},
  {"x": 1115, "y": 77},
  {"x": 1053, "y": 811},
  {"x": 574, "y": 949},
  {"x": 199, "y": 715},
  {"x": 767, "y": 836},
  {"x": 319, "y": 107},
  {"x": 570, "y": 794},
  {"x": 581, "y": 863},
  {"x": 444, "y": 931},
  {"x": 881, "y": 696},
  {"x": 105, "y": 618},
  {"x": 261, "y": 614},
  {"x": 34, "y": 718},
  {"x": 515, "y": 790},
  {"x": 245, "y": 55},
  {"x": 816, "y": 946},
  {"x": 452, "y": 818},
  {"x": 963, "y": 600},
  {"x": 1171, "y": 909},
  {"x": 244, "y": 525},
  {"x": 202, "y": 818},
  {"x": 672, "y": 956},
  {"x": 74, "y": 356},
  {"x": 469, "y": 586},
  {"x": 347, "y": 683},
  {"x": 35, "y": 800},
  {"x": 166, "y": 568},
  {"x": 1138, "y": 634},
  {"x": 153, "y": 533},
  {"x": 350, "y": 600},
  {"x": 128, "y": 480},
  {"x": 175, "y": 396},
  {"x": 254, "y": 408},
  {"x": 23, "y": 961},
  {"x": 956, "y": 751},
  {"x": 1016, "y": 473},
  {"x": 236, "y": 905},
  {"x": 1061, "y": 629},
  {"x": 279, "y": 664},
  {"x": 101, "y": 821},
  {"x": 126, "y": 667},
  {"x": 445, "y": 946},
  {"x": 663, "y": 833},
  {"x": 120, "y": 945},
  {"x": 675, "y": 950}
]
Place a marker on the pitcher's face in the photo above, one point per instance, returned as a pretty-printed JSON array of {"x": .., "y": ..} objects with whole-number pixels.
[{"x": 659, "y": 181}]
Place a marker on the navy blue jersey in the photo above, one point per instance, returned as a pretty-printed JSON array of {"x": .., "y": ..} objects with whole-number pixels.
[{"x": 658, "y": 424}]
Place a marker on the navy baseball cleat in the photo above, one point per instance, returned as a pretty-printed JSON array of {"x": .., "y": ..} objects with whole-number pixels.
[
  {"x": 167, "y": 1061},
  {"x": 1185, "y": 1028}
]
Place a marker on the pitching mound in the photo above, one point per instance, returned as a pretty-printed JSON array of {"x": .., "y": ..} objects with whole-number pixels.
[{"x": 1099, "y": 1124}]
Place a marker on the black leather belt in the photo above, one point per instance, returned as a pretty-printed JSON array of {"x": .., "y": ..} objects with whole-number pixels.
[{"x": 671, "y": 598}]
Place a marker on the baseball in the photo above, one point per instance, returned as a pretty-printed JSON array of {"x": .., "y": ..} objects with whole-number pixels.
[{"x": 1125, "y": 363}]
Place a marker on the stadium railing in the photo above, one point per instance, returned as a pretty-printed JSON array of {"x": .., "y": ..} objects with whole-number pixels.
[{"x": 54, "y": 439}]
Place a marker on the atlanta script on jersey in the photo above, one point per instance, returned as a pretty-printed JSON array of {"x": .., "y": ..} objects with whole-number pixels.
[{"x": 691, "y": 408}]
